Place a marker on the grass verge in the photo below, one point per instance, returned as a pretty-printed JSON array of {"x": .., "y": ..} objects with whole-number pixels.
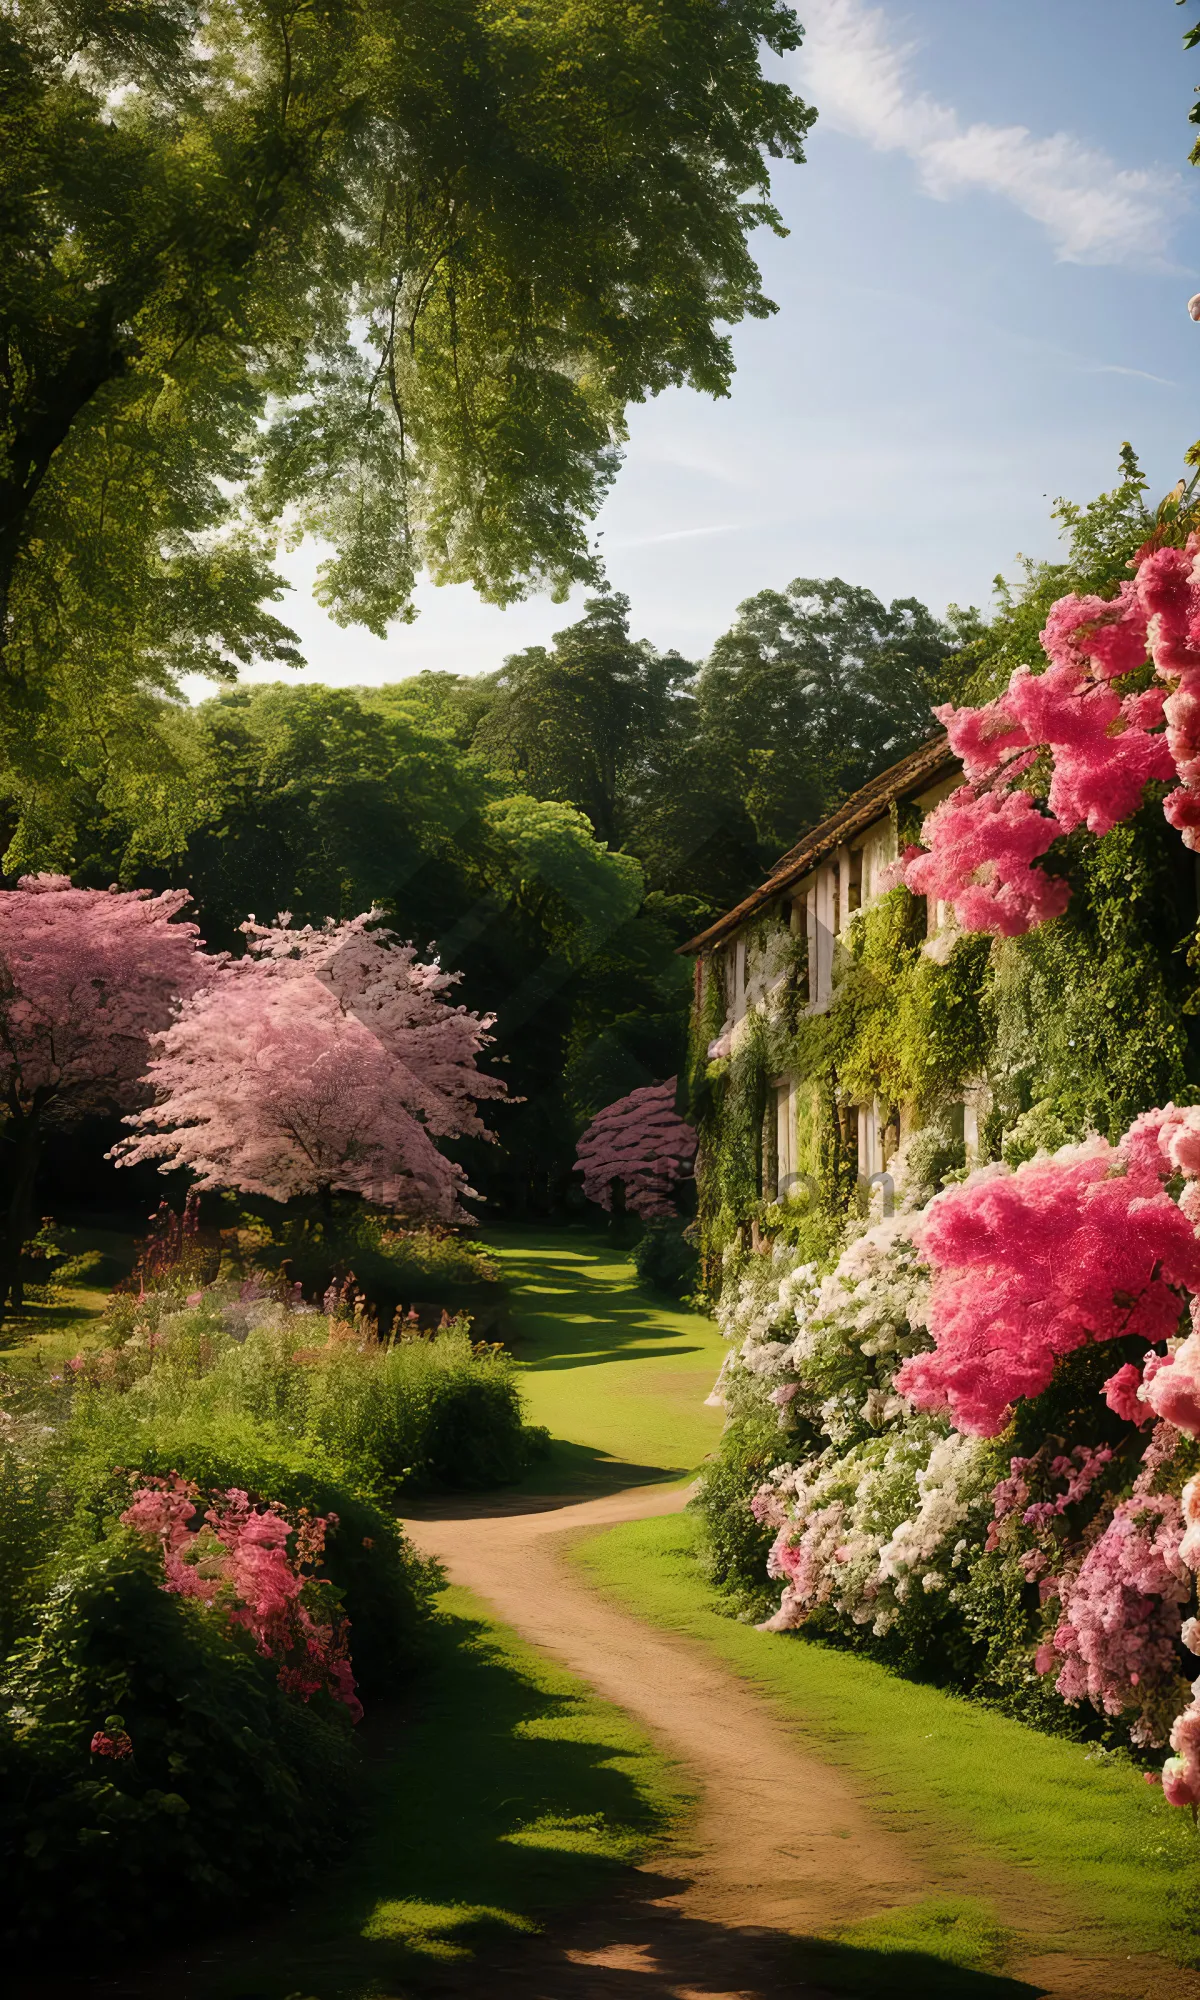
[
  {"x": 617, "y": 1375},
  {"x": 511, "y": 1795},
  {"x": 931, "y": 1763}
]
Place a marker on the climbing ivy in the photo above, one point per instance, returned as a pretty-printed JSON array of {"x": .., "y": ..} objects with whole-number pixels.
[{"x": 1076, "y": 1027}]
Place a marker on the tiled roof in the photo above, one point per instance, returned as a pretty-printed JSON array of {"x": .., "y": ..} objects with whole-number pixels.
[{"x": 921, "y": 768}]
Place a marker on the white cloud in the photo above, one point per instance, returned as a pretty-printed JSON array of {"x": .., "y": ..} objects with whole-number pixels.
[{"x": 1093, "y": 211}]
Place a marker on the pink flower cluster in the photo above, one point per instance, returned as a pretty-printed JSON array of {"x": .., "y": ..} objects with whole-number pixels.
[
  {"x": 234, "y": 1555},
  {"x": 1102, "y": 747},
  {"x": 1079, "y": 1469},
  {"x": 642, "y": 1142},
  {"x": 1121, "y": 1617},
  {"x": 324, "y": 1058},
  {"x": 1087, "y": 1246},
  {"x": 116, "y": 1745}
]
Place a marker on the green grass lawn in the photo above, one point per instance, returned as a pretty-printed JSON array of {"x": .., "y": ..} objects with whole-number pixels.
[
  {"x": 617, "y": 1375},
  {"x": 957, "y": 1774},
  {"x": 52, "y": 1331}
]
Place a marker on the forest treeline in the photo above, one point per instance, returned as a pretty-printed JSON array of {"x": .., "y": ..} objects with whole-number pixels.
[{"x": 553, "y": 830}]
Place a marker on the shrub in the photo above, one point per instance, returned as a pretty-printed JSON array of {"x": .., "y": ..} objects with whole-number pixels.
[
  {"x": 393, "y": 1268},
  {"x": 151, "y": 1766},
  {"x": 394, "y": 1415},
  {"x": 384, "y": 1586},
  {"x": 666, "y": 1260}
]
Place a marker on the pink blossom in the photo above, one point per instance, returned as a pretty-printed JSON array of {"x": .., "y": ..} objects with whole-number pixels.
[
  {"x": 983, "y": 738},
  {"x": 1031, "y": 1265},
  {"x": 982, "y": 847},
  {"x": 642, "y": 1142},
  {"x": 1121, "y": 1615},
  {"x": 236, "y": 1559},
  {"x": 324, "y": 1059},
  {"x": 87, "y": 976},
  {"x": 1173, "y": 1390},
  {"x": 1121, "y": 1395},
  {"x": 1101, "y": 636},
  {"x": 116, "y": 1745}
]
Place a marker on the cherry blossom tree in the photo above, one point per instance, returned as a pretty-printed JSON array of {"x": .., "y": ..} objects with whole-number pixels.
[
  {"x": 87, "y": 976},
  {"x": 323, "y": 1059},
  {"x": 641, "y": 1142}
]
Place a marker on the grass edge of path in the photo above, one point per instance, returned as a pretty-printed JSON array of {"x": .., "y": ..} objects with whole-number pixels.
[{"x": 1081, "y": 1820}]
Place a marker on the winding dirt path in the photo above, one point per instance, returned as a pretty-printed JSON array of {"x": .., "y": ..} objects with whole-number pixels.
[{"x": 782, "y": 1846}]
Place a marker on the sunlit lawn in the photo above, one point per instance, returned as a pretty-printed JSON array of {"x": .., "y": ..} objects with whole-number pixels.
[{"x": 617, "y": 1375}]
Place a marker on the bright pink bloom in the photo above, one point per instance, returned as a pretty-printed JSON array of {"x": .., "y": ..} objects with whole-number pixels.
[
  {"x": 981, "y": 850},
  {"x": 237, "y": 1559},
  {"x": 1098, "y": 636},
  {"x": 1031, "y": 1265},
  {"x": 985, "y": 738},
  {"x": 642, "y": 1142}
]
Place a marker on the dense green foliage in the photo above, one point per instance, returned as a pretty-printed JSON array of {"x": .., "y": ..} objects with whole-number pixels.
[
  {"x": 816, "y": 688},
  {"x": 394, "y": 277},
  {"x": 665, "y": 1259},
  {"x": 230, "y": 1791},
  {"x": 233, "y": 1781},
  {"x": 1076, "y": 1027}
]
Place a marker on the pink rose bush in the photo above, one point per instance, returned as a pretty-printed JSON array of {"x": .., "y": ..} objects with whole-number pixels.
[
  {"x": 234, "y": 1556},
  {"x": 1074, "y": 745}
]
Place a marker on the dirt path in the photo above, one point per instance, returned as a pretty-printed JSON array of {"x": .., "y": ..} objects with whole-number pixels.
[{"x": 782, "y": 1847}]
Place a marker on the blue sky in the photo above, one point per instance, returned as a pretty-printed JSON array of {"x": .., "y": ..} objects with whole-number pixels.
[{"x": 983, "y": 293}]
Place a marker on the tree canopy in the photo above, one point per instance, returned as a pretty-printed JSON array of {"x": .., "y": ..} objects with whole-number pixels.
[{"x": 389, "y": 276}]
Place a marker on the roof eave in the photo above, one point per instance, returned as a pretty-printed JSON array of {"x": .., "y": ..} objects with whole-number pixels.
[{"x": 921, "y": 768}]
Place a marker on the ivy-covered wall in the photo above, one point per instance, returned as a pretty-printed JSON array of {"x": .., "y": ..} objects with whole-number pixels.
[{"x": 1076, "y": 1027}]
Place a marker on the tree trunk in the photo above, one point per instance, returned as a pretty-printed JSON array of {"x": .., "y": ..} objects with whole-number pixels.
[{"x": 25, "y": 1150}]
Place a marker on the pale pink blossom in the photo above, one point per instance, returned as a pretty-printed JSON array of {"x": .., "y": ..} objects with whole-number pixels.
[{"x": 323, "y": 1059}]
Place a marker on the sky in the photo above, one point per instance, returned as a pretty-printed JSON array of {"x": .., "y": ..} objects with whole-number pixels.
[{"x": 982, "y": 294}]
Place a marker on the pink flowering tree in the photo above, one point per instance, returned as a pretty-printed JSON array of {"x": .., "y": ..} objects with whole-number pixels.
[
  {"x": 87, "y": 977},
  {"x": 641, "y": 1144},
  {"x": 324, "y": 1059},
  {"x": 1028, "y": 1266},
  {"x": 1072, "y": 746}
]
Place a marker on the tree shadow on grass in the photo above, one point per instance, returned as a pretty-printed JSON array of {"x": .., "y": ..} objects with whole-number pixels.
[{"x": 495, "y": 1864}]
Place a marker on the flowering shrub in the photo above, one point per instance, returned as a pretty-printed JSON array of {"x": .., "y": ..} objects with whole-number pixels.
[
  {"x": 151, "y": 1766},
  {"x": 237, "y": 1560},
  {"x": 1084, "y": 1246},
  {"x": 902, "y": 1501},
  {"x": 1083, "y": 734}
]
